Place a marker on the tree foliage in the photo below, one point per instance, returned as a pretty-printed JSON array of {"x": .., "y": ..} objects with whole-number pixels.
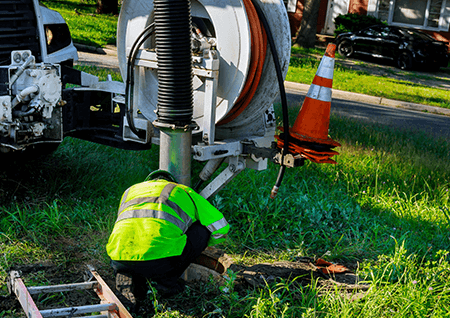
[{"x": 352, "y": 22}]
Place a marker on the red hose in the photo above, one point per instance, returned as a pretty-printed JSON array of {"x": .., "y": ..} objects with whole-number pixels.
[{"x": 258, "y": 55}]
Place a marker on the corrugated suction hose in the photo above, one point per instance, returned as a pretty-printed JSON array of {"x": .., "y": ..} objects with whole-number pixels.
[{"x": 173, "y": 49}]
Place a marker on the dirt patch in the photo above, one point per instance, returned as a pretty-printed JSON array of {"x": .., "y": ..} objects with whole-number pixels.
[{"x": 302, "y": 273}]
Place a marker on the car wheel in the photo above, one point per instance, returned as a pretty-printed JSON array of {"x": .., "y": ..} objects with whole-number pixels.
[
  {"x": 345, "y": 48},
  {"x": 405, "y": 61}
]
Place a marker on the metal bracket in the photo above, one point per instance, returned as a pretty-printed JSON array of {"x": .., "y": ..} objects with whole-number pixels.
[
  {"x": 203, "y": 152},
  {"x": 141, "y": 124},
  {"x": 259, "y": 152},
  {"x": 235, "y": 166},
  {"x": 289, "y": 160}
]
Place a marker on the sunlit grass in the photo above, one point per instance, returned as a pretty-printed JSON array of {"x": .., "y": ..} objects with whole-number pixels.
[
  {"x": 85, "y": 26},
  {"x": 384, "y": 206},
  {"x": 101, "y": 73},
  {"x": 15, "y": 252},
  {"x": 303, "y": 70}
]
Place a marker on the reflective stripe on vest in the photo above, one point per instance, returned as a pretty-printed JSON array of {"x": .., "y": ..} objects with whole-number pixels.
[
  {"x": 164, "y": 195},
  {"x": 163, "y": 198},
  {"x": 154, "y": 214},
  {"x": 217, "y": 225}
]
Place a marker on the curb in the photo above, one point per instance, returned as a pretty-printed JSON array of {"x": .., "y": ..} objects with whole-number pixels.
[{"x": 356, "y": 97}]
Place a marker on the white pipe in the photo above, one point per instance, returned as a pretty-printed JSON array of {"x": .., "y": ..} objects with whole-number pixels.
[
  {"x": 20, "y": 70},
  {"x": 24, "y": 93}
]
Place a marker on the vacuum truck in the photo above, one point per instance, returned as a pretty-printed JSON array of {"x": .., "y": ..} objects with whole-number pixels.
[{"x": 199, "y": 80}]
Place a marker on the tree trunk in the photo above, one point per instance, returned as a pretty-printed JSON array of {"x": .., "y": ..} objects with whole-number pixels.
[
  {"x": 108, "y": 6},
  {"x": 307, "y": 34}
]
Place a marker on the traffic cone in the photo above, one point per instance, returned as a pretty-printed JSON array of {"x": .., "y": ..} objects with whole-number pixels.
[{"x": 309, "y": 134}]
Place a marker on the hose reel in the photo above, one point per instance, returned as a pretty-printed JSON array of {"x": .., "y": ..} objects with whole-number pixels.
[{"x": 225, "y": 41}]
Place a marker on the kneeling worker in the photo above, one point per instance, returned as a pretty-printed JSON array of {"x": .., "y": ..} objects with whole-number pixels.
[{"x": 161, "y": 228}]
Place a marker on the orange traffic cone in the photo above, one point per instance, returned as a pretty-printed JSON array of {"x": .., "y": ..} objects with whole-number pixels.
[{"x": 310, "y": 130}]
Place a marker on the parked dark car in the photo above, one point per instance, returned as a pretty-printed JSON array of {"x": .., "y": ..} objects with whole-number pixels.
[{"x": 408, "y": 48}]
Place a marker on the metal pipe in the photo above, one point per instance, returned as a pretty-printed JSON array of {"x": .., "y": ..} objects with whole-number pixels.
[
  {"x": 19, "y": 113},
  {"x": 21, "y": 69},
  {"x": 207, "y": 171},
  {"x": 175, "y": 154}
]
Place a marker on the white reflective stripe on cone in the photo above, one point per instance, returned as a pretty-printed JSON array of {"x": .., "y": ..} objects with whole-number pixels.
[
  {"x": 320, "y": 93},
  {"x": 326, "y": 67}
]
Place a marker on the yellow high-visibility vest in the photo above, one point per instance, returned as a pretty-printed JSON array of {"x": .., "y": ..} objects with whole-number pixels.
[{"x": 153, "y": 218}]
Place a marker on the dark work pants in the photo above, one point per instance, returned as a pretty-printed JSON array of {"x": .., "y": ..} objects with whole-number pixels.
[{"x": 166, "y": 271}]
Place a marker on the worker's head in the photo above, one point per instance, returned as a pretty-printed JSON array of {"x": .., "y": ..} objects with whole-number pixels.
[{"x": 161, "y": 174}]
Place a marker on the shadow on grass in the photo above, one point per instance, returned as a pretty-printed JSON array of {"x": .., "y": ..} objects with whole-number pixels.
[
  {"x": 76, "y": 170},
  {"x": 88, "y": 42}
]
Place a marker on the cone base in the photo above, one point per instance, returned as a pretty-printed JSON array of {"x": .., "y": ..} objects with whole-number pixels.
[
  {"x": 328, "y": 141},
  {"x": 317, "y": 156}
]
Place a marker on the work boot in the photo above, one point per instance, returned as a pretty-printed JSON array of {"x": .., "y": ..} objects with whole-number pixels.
[{"x": 125, "y": 287}]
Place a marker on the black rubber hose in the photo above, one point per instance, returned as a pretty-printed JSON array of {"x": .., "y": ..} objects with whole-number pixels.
[
  {"x": 174, "y": 52},
  {"x": 143, "y": 36},
  {"x": 284, "y": 108}
]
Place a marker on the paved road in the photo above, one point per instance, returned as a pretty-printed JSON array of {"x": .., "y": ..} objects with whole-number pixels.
[
  {"x": 437, "y": 125},
  {"x": 100, "y": 60}
]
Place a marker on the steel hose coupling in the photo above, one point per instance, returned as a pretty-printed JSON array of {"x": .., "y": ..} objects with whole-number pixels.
[
  {"x": 168, "y": 126},
  {"x": 274, "y": 192}
]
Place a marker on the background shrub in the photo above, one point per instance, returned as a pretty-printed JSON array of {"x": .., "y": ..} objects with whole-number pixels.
[{"x": 352, "y": 22}]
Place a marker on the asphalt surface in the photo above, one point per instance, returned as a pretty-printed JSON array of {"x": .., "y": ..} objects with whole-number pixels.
[
  {"x": 106, "y": 60},
  {"x": 362, "y": 107}
]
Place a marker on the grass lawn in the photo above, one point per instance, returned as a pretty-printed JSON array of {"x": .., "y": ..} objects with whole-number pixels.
[
  {"x": 86, "y": 27},
  {"x": 384, "y": 208}
]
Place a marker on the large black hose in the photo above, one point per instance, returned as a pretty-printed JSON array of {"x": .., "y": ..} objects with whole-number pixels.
[
  {"x": 174, "y": 53},
  {"x": 284, "y": 108}
]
